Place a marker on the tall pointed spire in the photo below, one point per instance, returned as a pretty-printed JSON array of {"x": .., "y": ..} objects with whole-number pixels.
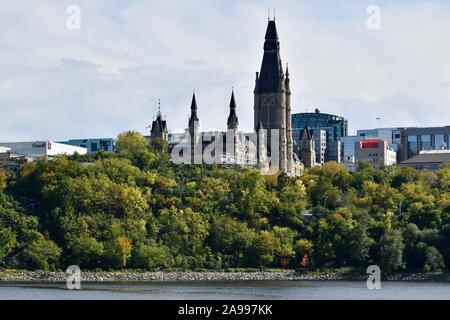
[
  {"x": 193, "y": 119},
  {"x": 271, "y": 68},
  {"x": 233, "y": 121},
  {"x": 193, "y": 109}
]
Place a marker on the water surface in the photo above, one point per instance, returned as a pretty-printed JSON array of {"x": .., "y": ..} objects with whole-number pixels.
[{"x": 229, "y": 290}]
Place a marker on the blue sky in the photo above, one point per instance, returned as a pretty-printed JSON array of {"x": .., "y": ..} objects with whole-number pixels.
[{"x": 107, "y": 77}]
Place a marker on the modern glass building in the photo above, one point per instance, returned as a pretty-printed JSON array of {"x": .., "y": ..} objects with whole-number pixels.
[
  {"x": 415, "y": 140},
  {"x": 93, "y": 145},
  {"x": 391, "y": 135},
  {"x": 335, "y": 127},
  {"x": 348, "y": 144}
]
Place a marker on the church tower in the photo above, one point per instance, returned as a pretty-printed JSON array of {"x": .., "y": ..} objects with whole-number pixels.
[
  {"x": 233, "y": 122},
  {"x": 193, "y": 118},
  {"x": 159, "y": 127},
  {"x": 194, "y": 133},
  {"x": 307, "y": 148},
  {"x": 232, "y": 135},
  {"x": 272, "y": 103}
]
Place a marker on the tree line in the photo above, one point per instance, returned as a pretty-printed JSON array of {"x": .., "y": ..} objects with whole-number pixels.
[{"x": 133, "y": 209}]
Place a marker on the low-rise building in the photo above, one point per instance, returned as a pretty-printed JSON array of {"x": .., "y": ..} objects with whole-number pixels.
[
  {"x": 376, "y": 152},
  {"x": 4, "y": 149},
  {"x": 349, "y": 163},
  {"x": 42, "y": 149},
  {"x": 335, "y": 128},
  {"x": 93, "y": 144},
  {"x": 428, "y": 160},
  {"x": 9, "y": 162}
]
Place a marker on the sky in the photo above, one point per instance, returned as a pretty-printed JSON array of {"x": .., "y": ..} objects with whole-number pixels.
[{"x": 59, "y": 83}]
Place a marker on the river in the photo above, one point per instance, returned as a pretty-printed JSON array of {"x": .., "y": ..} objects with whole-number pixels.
[{"x": 231, "y": 290}]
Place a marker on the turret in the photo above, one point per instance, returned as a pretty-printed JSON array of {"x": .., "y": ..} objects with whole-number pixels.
[{"x": 233, "y": 122}]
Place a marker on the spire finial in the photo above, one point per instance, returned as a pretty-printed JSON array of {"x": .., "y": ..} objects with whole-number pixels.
[
  {"x": 287, "y": 69},
  {"x": 268, "y": 14},
  {"x": 274, "y": 15},
  {"x": 159, "y": 106}
]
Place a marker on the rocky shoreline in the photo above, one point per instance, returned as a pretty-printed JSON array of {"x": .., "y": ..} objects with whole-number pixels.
[{"x": 32, "y": 276}]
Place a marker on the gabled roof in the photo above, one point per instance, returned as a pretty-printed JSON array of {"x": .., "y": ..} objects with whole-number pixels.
[
  {"x": 159, "y": 125},
  {"x": 428, "y": 158},
  {"x": 306, "y": 132}
]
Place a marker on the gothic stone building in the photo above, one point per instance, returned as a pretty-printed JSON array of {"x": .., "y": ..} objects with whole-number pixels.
[
  {"x": 272, "y": 120},
  {"x": 159, "y": 127}
]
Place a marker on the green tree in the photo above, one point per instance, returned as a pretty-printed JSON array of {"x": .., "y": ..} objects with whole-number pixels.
[
  {"x": 435, "y": 261},
  {"x": 2, "y": 180},
  {"x": 391, "y": 251},
  {"x": 263, "y": 248},
  {"x": 135, "y": 147},
  {"x": 85, "y": 251},
  {"x": 7, "y": 242},
  {"x": 118, "y": 251},
  {"x": 41, "y": 254},
  {"x": 152, "y": 256}
]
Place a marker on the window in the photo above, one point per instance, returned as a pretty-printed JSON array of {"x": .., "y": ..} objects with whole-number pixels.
[
  {"x": 412, "y": 148},
  {"x": 439, "y": 142},
  {"x": 425, "y": 142}
]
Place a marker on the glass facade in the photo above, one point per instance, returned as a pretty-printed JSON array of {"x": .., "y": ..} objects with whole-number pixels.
[
  {"x": 423, "y": 139},
  {"x": 94, "y": 145},
  {"x": 391, "y": 135},
  {"x": 425, "y": 142},
  {"x": 349, "y": 145},
  {"x": 335, "y": 127},
  {"x": 439, "y": 142},
  {"x": 412, "y": 146}
]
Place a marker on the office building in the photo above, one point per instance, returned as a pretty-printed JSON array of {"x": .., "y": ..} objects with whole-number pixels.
[
  {"x": 415, "y": 140},
  {"x": 391, "y": 135},
  {"x": 428, "y": 160},
  {"x": 335, "y": 127},
  {"x": 376, "y": 152}
]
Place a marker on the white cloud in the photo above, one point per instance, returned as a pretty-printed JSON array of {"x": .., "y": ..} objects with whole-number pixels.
[{"x": 107, "y": 77}]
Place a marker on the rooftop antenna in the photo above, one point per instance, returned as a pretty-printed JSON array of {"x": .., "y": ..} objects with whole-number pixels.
[
  {"x": 159, "y": 105},
  {"x": 274, "y": 14},
  {"x": 268, "y": 14}
]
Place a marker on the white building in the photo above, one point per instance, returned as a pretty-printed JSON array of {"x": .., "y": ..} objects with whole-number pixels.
[
  {"x": 42, "y": 149},
  {"x": 4, "y": 149},
  {"x": 376, "y": 152}
]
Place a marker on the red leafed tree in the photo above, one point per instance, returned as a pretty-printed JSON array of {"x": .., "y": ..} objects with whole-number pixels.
[
  {"x": 304, "y": 261},
  {"x": 284, "y": 262}
]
